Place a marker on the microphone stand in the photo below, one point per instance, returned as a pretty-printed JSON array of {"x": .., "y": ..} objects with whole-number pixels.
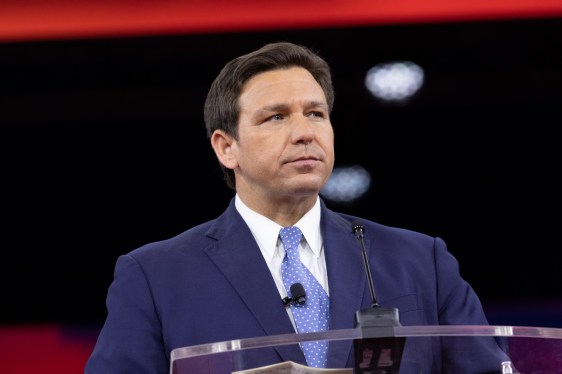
[{"x": 379, "y": 350}]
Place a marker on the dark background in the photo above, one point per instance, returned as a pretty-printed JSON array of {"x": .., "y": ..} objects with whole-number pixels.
[{"x": 103, "y": 149}]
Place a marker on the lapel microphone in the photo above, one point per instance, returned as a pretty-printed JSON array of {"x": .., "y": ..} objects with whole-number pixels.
[{"x": 298, "y": 295}]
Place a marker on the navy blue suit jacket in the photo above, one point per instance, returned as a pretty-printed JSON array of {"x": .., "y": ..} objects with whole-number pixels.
[{"x": 211, "y": 284}]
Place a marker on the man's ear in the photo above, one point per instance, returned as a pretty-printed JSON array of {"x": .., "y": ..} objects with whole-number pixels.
[{"x": 223, "y": 144}]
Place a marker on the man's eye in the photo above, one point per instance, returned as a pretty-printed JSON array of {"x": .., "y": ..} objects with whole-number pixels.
[
  {"x": 316, "y": 114},
  {"x": 276, "y": 117}
]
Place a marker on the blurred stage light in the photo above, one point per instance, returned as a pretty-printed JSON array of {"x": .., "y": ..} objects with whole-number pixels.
[
  {"x": 347, "y": 184},
  {"x": 394, "y": 81}
]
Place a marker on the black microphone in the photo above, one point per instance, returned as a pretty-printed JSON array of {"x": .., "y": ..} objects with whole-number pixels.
[
  {"x": 379, "y": 350},
  {"x": 358, "y": 229},
  {"x": 376, "y": 315},
  {"x": 298, "y": 295}
]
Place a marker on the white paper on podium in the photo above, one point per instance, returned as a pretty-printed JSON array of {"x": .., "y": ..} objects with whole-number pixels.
[{"x": 290, "y": 367}]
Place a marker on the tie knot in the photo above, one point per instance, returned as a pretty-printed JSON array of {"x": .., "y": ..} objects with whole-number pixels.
[{"x": 290, "y": 236}]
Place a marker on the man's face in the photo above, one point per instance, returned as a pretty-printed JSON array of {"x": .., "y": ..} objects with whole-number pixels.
[{"x": 285, "y": 144}]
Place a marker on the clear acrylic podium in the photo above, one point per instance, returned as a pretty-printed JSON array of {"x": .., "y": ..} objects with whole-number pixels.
[{"x": 531, "y": 350}]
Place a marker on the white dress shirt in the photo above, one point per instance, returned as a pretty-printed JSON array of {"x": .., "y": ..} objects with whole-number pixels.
[{"x": 311, "y": 249}]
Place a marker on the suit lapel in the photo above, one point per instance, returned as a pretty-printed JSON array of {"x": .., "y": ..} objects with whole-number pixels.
[
  {"x": 237, "y": 249},
  {"x": 346, "y": 278}
]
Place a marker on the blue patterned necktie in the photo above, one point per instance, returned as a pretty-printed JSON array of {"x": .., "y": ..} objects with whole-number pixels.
[{"x": 314, "y": 314}]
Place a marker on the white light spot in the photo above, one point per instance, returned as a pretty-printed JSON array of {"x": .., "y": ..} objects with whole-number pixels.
[
  {"x": 395, "y": 81},
  {"x": 347, "y": 184}
]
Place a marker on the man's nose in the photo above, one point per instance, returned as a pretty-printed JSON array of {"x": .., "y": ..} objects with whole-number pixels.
[{"x": 303, "y": 130}]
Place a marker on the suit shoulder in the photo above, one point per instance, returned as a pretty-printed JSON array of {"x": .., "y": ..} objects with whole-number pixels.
[{"x": 180, "y": 242}]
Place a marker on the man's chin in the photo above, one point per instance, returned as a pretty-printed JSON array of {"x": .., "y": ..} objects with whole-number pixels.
[{"x": 310, "y": 189}]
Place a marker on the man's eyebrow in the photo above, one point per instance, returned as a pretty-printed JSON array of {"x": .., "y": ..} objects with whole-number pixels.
[
  {"x": 274, "y": 108},
  {"x": 282, "y": 107}
]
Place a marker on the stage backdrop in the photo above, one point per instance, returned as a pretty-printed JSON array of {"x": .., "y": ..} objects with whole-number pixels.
[{"x": 103, "y": 135}]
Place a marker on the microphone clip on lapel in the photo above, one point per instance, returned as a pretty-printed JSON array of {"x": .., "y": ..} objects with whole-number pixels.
[{"x": 298, "y": 295}]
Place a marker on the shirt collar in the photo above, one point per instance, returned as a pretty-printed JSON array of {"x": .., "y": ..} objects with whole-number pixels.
[{"x": 266, "y": 231}]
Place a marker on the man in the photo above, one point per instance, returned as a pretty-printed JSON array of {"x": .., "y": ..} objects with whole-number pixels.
[{"x": 268, "y": 119}]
